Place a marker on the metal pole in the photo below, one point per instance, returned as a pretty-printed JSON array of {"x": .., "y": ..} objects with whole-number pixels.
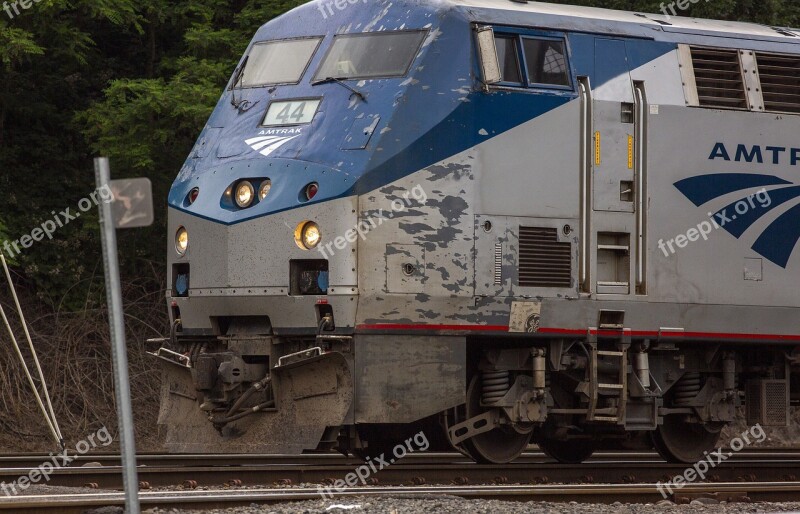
[
  {"x": 118, "y": 345},
  {"x": 49, "y": 413}
]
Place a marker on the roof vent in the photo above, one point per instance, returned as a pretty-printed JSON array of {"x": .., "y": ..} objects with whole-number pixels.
[
  {"x": 785, "y": 31},
  {"x": 718, "y": 76},
  {"x": 780, "y": 81}
]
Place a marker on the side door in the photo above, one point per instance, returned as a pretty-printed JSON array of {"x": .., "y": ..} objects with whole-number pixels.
[
  {"x": 613, "y": 118},
  {"x": 615, "y": 161}
]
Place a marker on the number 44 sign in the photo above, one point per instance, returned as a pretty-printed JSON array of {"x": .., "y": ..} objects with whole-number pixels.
[{"x": 292, "y": 112}]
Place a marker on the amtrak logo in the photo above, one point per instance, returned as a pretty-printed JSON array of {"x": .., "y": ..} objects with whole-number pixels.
[
  {"x": 777, "y": 242},
  {"x": 270, "y": 140}
]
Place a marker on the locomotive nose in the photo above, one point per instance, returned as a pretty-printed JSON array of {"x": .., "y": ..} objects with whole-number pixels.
[
  {"x": 247, "y": 189},
  {"x": 244, "y": 248}
]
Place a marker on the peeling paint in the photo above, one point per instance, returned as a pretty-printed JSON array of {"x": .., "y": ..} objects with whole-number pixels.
[
  {"x": 453, "y": 170},
  {"x": 452, "y": 208},
  {"x": 428, "y": 314},
  {"x": 372, "y": 24},
  {"x": 415, "y": 228}
]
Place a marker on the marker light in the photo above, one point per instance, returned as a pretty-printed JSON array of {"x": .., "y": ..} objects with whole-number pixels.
[
  {"x": 307, "y": 235},
  {"x": 192, "y": 196},
  {"x": 181, "y": 241},
  {"x": 244, "y": 194},
  {"x": 263, "y": 191},
  {"x": 312, "y": 190}
]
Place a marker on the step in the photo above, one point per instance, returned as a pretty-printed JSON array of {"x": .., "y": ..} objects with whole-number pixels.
[
  {"x": 607, "y": 353},
  {"x": 610, "y": 386}
]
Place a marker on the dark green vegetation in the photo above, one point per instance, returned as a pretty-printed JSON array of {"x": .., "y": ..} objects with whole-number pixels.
[{"x": 134, "y": 80}]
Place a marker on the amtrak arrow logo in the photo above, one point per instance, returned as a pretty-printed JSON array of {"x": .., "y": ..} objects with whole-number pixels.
[
  {"x": 777, "y": 242},
  {"x": 268, "y": 144}
]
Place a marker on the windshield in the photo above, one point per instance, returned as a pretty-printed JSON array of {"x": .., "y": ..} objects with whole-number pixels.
[
  {"x": 384, "y": 54},
  {"x": 278, "y": 62}
]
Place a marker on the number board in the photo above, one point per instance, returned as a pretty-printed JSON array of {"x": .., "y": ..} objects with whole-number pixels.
[{"x": 292, "y": 112}]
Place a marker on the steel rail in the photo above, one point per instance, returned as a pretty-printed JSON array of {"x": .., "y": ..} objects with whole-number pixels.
[
  {"x": 23, "y": 460},
  {"x": 419, "y": 471},
  {"x": 626, "y": 493}
]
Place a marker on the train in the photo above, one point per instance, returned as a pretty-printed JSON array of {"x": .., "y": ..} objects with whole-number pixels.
[{"x": 496, "y": 223}]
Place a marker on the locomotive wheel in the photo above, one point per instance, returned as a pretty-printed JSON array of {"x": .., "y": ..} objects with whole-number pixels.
[
  {"x": 498, "y": 446},
  {"x": 568, "y": 452},
  {"x": 679, "y": 441}
]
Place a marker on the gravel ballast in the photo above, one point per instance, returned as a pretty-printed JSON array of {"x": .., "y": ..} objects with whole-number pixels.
[{"x": 453, "y": 505}]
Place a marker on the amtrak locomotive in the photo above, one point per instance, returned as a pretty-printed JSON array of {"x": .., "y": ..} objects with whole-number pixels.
[{"x": 496, "y": 222}]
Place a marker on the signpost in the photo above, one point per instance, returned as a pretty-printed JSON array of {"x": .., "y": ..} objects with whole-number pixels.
[{"x": 132, "y": 207}]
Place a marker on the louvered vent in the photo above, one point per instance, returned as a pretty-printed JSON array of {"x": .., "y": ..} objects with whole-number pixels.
[
  {"x": 543, "y": 261},
  {"x": 780, "y": 81},
  {"x": 718, "y": 76}
]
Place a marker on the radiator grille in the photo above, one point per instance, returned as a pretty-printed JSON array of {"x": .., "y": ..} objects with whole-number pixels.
[
  {"x": 767, "y": 402},
  {"x": 780, "y": 81},
  {"x": 718, "y": 76},
  {"x": 498, "y": 264},
  {"x": 543, "y": 261},
  {"x": 776, "y": 406}
]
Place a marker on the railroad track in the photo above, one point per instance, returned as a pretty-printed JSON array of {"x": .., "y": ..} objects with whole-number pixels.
[
  {"x": 22, "y": 460},
  {"x": 420, "y": 469},
  {"x": 627, "y": 493}
]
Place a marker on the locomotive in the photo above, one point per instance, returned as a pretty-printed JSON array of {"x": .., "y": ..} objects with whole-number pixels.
[{"x": 500, "y": 223}]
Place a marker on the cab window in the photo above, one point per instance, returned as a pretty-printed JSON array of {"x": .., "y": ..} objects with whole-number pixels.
[
  {"x": 372, "y": 55},
  {"x": 508, "y": 57},
  {"x": 532, "y": 61},
  {"x": 546, "y": 61},
  {"x": 278, "y": 62}
]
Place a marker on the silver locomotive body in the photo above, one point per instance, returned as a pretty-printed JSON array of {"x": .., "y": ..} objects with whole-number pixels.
[{"x": 529, "y": 223}]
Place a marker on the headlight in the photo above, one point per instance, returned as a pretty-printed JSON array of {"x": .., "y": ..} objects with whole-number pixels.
[
  {"x": 263, "y": 191},
  {"x": 307, "y": 236},
  {"x": 244, "y": 194},
  {"x": 311, "y": 235},
  {"x": 181, "y": 241}
]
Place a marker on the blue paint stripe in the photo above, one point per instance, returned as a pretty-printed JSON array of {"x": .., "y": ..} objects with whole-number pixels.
[
  {"x": 779, "y": 239},
  {"x": 738, "y": 226},
  {"x": 704, "y": 188}
]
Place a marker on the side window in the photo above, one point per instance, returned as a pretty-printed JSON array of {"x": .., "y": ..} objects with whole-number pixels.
[
  {"x": 508, "y": 57},
  {"x": 546, "y": 62}
]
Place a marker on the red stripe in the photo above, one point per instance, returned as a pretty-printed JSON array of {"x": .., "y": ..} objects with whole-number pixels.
[
  {"x": 578, "y": 332},
  {"x": 470, "y": 328},
  {"x": 711, "y": 335}
]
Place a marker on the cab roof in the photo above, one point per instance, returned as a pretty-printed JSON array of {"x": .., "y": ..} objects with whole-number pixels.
[{"x": 676, "y": 29}]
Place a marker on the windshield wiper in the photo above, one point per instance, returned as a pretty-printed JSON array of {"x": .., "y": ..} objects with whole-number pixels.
[
  {"x": 238, "y": 75},
  {"x": 340, "y": 81}
]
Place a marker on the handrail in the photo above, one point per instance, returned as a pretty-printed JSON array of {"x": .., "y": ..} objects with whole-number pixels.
[
  {"x": 585, "y": 172},
  {"x": 641, "y": 117}
]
